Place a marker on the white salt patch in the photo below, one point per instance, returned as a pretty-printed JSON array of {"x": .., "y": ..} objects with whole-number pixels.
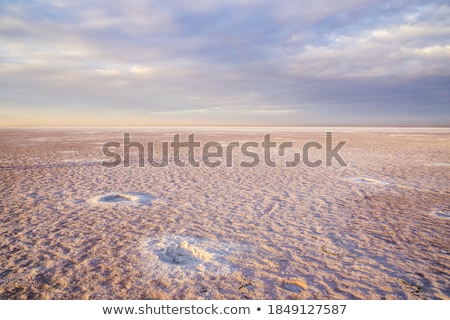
[
  {"x": 438, "y": 164},
  {"x": 369, "y": 181},
  {"x": 74, "y": 160},
  {"x": 124, "y": 198},
  {"x": 44, "y": 139},
  {"x": 178, "y": 257},
  {"x": 184, "y": 253},
  {"x": 83, "y": 161},
  {"x": 292, "y": 287},
  {"x": 441, "y": 213},
  {"x": 408, "y": 135}
]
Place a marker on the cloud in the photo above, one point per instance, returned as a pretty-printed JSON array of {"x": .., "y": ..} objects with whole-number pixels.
[
  {"x": 310, "y": 61},
  {"x": 236, "y": 110},
  {"x": 401, "y": 49}
]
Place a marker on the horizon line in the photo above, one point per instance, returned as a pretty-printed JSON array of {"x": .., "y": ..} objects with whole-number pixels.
[{"x": 229, "y": 126}]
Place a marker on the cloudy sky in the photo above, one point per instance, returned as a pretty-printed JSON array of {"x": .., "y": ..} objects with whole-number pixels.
[{"x": 231, "y": 62}]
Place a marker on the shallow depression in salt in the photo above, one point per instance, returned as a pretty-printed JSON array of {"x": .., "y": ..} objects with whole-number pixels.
[{"x": 125, "y": 198}]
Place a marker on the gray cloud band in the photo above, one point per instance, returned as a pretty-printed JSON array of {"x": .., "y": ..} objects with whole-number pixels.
[{"x": 232, "y": 62}]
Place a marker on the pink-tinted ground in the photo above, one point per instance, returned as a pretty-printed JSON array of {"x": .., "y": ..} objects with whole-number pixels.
[{"x": 378, "y": 228}]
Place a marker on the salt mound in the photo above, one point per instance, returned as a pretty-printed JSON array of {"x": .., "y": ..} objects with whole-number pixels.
[
  {"x": 184, "y": 253},
  {"x": 179, "y": 257}
]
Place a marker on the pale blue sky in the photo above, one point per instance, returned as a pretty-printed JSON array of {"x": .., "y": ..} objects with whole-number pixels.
[{"x": 234, "y": 62}]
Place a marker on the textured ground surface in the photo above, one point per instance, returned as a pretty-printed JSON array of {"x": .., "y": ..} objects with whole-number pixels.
[{"x": 376, "y": 229}]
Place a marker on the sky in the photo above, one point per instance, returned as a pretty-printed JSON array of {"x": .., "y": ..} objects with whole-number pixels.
[{"x": 224, "y": 63}]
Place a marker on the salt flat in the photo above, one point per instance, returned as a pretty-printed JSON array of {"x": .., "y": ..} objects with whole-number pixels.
[{"x": 378, "y": 228}]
